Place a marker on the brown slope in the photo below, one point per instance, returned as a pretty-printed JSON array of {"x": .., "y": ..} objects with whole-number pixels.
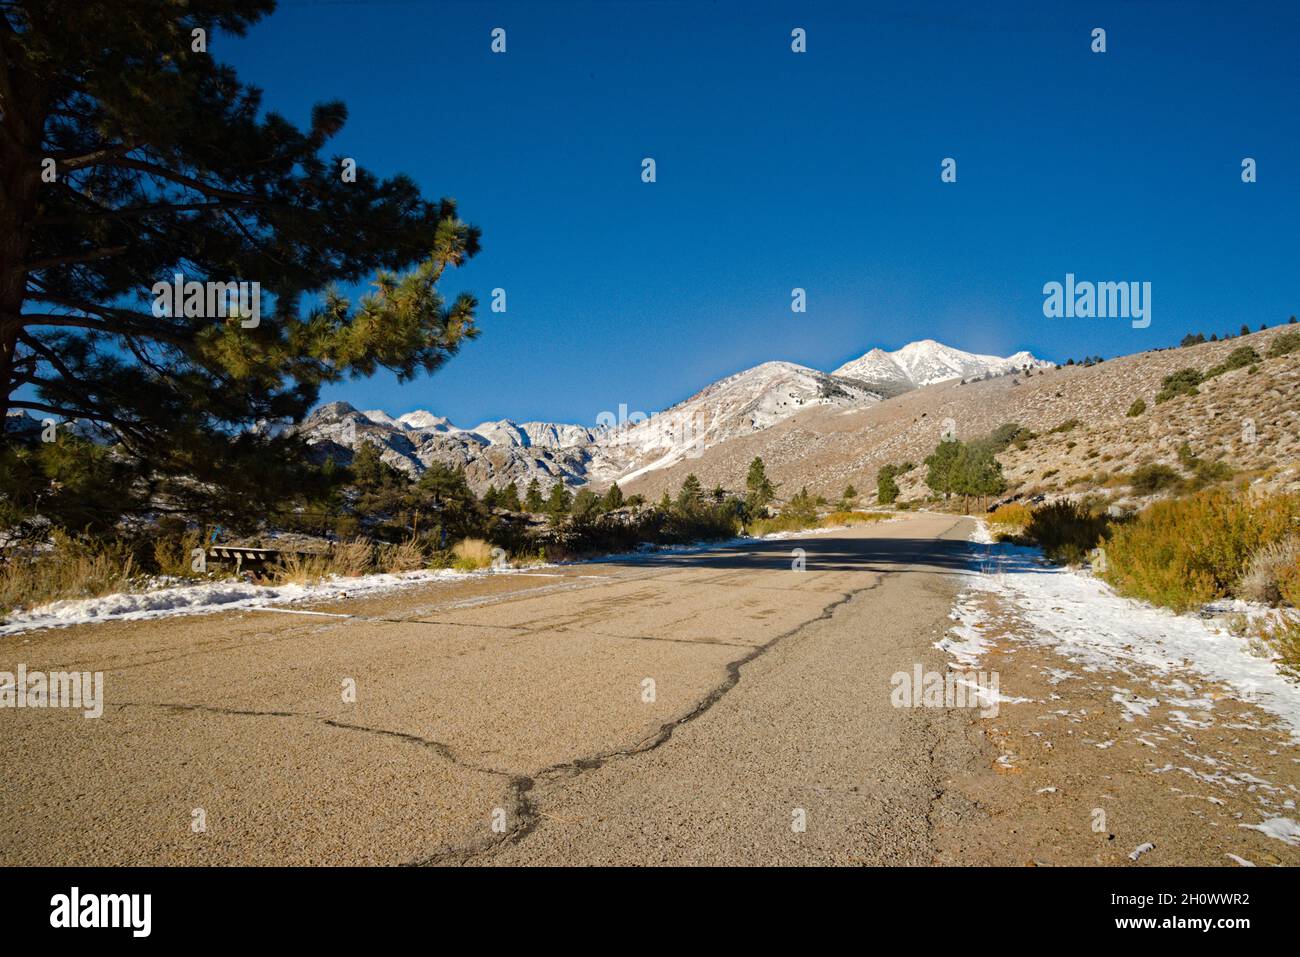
[{"x": 826, "y": 449}]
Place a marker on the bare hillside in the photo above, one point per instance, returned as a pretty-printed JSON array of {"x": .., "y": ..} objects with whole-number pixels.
[{"x": 826, "y": 449}]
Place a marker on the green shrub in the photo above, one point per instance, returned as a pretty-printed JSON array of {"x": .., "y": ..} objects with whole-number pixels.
[
  {"x": 1239, "y": 358},
  {"x": 1137, "y": 408},
  {"x": 1185, "y": 552},
  {"x": 1066, "y": 531},
  {"x": 1182, "y": 382},
  {"x": 1149, "y": 479},
  {"x": 1284, "y": 344},
  {"x": 1067, "y": 426}
]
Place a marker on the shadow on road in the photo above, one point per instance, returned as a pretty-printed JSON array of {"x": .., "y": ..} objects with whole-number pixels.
[{"x": 822, "y": 553}]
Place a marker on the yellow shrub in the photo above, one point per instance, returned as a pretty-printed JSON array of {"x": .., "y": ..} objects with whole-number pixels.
[
  {"x": 1184, "y": 552},
  {"x": 852, "y": 518},
  {"x": 472, "y": 553},
  {"x": 1013, "y": 515}
]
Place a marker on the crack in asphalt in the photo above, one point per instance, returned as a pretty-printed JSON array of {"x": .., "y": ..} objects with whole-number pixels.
[
  {"x": 527, "y": 811},
  {"x": 527, "y": 815}
]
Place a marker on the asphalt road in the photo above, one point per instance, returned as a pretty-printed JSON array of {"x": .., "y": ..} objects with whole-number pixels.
[{"x": 714, "y": 707}]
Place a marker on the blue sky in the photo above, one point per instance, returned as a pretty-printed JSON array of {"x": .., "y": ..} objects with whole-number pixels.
[{"x": 818, "y": 170}]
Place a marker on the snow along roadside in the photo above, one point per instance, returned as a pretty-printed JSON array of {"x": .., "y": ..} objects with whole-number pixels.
[
  {"x": 232, "y": 594},
  {"x": 1080, "y": 617}
]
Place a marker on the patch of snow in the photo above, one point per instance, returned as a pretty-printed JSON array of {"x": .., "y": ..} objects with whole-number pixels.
[
  {"x": 1283, "y": 828},
  {"x": 1081, "y": 618},
  {"x": 207, "y": 597}
]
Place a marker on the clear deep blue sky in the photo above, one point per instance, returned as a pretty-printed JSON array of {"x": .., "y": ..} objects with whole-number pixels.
[{"x": 818, "y": 170}]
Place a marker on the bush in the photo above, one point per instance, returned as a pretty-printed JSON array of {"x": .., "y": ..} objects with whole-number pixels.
[
  {"x": 852, "y": 517},
  {"x": 1281, "y": 635},
  {"x": 1239, "y": 358},
  {"x": 1137, "y": 408},
  {"x": 886, "y": 487},
  {"x": 1284, "y": 344},
  {"x": 1184, "y": 552},
  {"x": 1066, "y": 531},
  {"x": 404, "y": 556},
  {"x": 1012, "y": 516},
  {"x": 71, "y": 568},
  {"x": 1068, "y": 425},
  {"x": 1270, "y": 567},
  {"x": 352, "y": 558},
  {"x": 1182, "y": 382},
  {"x": 1149, "y": 479},
  {"x": 472, "y": 554},
  {"x": 173, "y": 551}
]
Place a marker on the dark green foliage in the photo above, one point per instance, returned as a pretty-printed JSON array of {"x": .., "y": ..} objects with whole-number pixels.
[
  {"x": 71, "y": 482},
  {"x": 1137, "y": 408},
  {"x": 586, "y": 506},
  {"x": 533, "y": 501},
  {"x": 1182, "y": 382},
  {"x": 613, "y": 498},
  {"x": 559, "y": 501},
  {"x": 966, "y": 468},
  {"x": 1284, "y": 344},
  {"x": 509, "y": 498},
  {"x": 886, "y": 486},
  {"x": 691, "y": 497},
  {"x": 1239, "y": 358},
  {"x": 450, "y": 507},
  {"x": 801, "y": 507},
  {"x": 1066, "y": 531},
  {"x": 1192, "y": 339},
  {"x": 1149, "y": 479},
  {"x": 760, "y": 490},
  {"x": 166, "y": 163}
]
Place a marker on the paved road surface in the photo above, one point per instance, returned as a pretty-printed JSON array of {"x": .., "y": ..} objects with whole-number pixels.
[{"x": 506, "y": 720}]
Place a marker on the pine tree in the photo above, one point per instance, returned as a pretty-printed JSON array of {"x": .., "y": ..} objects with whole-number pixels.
[
  {"x": 801, "y": 507},
  {"x": 761, "y": 491},
  {"x": 509, "y": 498},
  {"x": 886, "y": 487},
  {"x": 613, "y": 498},
  {"x": 164, "y": 163},
  {"x": 586, "y": 506},
  {"x": 491, "y": 498},
  {"x": 533, "y": 497},
  {"x": 559, "y": 501},
  {"x": 691, "y": 497},
  {"x": 444, "y": 493},
  {"x": 942, "y": 467}
]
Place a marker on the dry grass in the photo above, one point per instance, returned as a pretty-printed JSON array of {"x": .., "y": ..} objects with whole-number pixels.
[
  {"x": 1185, "y": 552},
  {"x": 472, "y": 554},
  {"x": 353, "y": 558},
  {"x": 406, "y": 556},
  {"x": 1270, "y": 567},
  {"x": 852, "y": 518},
  {"x": 70, "y": 569},
  {"x": 297, "y": 569},
  {"x": 175, "y": 555}
]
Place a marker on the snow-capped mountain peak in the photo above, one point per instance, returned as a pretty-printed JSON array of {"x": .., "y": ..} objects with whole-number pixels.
[
  {"x": 927, "y": 362},
  {"x": 748, "y": 401}
]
